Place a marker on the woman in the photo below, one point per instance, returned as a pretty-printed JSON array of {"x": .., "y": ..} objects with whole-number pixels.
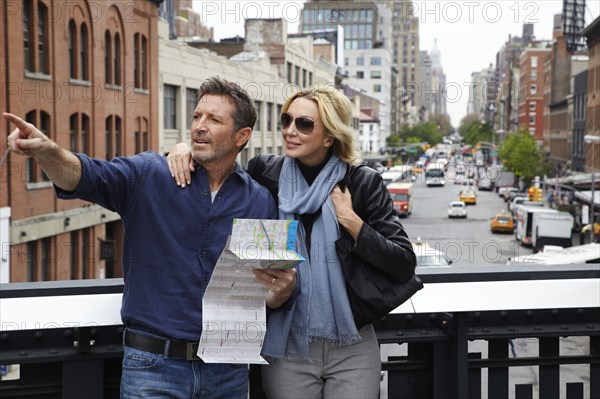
[{"x": 315, "y": 346}]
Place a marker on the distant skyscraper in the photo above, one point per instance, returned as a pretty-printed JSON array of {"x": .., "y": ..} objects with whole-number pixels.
[
  {"x": 367, "y": 61},
  {"x": 406, "y": 56},
  {"x": 438, "y": 79}
]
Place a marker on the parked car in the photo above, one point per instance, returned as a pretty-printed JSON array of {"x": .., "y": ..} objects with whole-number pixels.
[
  {"x": 457, "y": 209},
  {"x": 468, "y": 197},
  {"x": 428, "y": 256},
  {"x": 503, "y": 223}
]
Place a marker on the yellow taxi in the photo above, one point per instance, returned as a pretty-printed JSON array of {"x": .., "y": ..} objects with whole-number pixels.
[
  {"x": 468, "y": 197},
  {"x": 503, "y": 223}
]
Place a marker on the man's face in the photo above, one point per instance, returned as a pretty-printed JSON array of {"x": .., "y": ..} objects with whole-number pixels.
[{"x": 213, "y": 131}]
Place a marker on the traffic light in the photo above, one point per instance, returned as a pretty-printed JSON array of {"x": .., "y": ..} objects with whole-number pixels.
[
  {"x": 531, "y": 193},
  {"x": 538, "y": 195}
]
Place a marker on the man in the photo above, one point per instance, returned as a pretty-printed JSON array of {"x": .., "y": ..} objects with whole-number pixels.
[{"x": 172, "y": 239}]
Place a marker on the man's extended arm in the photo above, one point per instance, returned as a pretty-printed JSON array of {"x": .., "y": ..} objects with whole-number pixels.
[{"x": 60, "y": 165}]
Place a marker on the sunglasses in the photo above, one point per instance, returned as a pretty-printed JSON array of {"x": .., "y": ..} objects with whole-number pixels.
[{"x": 303, "y": 124}]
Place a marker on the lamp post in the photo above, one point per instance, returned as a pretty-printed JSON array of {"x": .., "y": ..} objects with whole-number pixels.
[{"x": 589, "y": 139}]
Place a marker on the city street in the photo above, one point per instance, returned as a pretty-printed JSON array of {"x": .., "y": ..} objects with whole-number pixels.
[{"x": 467, "y": 242}]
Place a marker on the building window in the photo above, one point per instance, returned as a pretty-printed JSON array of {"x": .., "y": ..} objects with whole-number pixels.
[
  {"x": 140, "y": 61},
  {"x": 117, "y": 60},
  {"x": 375, "y": 74},
  {"x": 85, "y": 134},
  {"x": 191, "y": 100},
  {"x": 269, "y": 117},
  {"x": 79, "y": 126},
  {"x": 533, "y": 89},
  {"x": 360, "y": 75},
  {"x": 170, "y": 110},
  {"x": 533, "y": 75},
  {"x": 72, "y": 50},
  {"x": 78, "y": 43},
  {"x": 534, "y": 61},
  {"x": 377, "y": 88},
  {"x": 42, "y": 41},
  {"x": 73, "y": 129},
  {"x": 360, "y": 61},
  {"x": 297, "y": 75},
  {"x": 27, "y": 39},
  {"x": 83, "y": 53},
  {"x": 136, "y": 60},
  {"x": 107, "y": 56},
  {"x": 118, "y": 131},
  {"x": 112, "y": 59},
  {"x": 113, "y": 136},
  {"x": 531, "y": 119},
  {"x": 141, "y": 135},
  {"x": 532, "y": 106},
  {"x": 375, "y": 60},
  {"x": 137, "y": 140},
  {"x": 258, "y": 110},
  {"x": 108, "y": 126},
  {"x": 289, "y": 72},
  {"x": 304, "y": 82},
  {"x": 144, "y": 62},
  {"x": 35, "y": 37},
  {"x": 144, "y": 124}
]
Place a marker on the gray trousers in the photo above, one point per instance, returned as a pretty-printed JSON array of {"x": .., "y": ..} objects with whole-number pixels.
[{"x": 335, "y": 372}]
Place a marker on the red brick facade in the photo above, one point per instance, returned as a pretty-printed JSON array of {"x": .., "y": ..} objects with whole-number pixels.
[{"x": 531, "y": 92}]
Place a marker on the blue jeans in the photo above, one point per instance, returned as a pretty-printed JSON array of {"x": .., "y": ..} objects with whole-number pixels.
[{"x": 148, "y": 375}]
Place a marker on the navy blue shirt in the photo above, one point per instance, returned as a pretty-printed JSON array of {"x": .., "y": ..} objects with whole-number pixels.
[{"x": 173, "y": 236}]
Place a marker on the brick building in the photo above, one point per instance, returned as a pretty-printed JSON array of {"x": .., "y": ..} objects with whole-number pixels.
[
  {"x": 592, "y": 148},
  {"x": 86, "y": 74},
  {"x": 531, "y": 89}
]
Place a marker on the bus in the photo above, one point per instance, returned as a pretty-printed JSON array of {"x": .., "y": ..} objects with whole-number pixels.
[{"x": 435, "y": 174}]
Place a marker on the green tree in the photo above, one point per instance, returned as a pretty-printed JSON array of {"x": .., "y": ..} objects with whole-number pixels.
[
  {"x": 476, "y": 131},
  {"x": 442, "y": 121},
  {"x": 392, "y": 141},
  {"x": 427, "y": 131},
  {"x": 467, "y": 120},
  {"x": 520, "y": 155}
]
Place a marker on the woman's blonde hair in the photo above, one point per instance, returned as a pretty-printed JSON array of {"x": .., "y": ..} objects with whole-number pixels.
[{"x": 335, "y": 110}]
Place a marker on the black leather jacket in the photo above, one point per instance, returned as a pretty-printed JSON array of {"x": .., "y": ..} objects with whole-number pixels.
[{"x": 382, "y": 241}]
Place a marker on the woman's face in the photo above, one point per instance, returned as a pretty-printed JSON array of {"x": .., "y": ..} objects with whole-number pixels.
[{"x": 308, "y": 147}]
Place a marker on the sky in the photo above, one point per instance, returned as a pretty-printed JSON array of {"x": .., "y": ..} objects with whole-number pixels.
[{"x": 469, "y": 33}]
